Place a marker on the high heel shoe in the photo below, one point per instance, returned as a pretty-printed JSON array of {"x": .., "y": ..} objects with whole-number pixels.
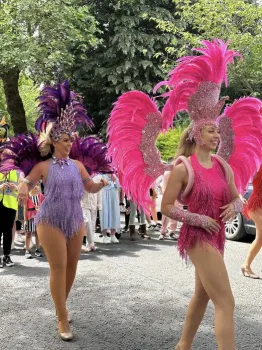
[
  {"x": 247, "y": 272},
  {"x": 65, "y": 330}
]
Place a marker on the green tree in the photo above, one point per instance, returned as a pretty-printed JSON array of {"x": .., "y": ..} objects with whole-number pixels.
[
  {"x": 125, "y": 57},
  {"x": 28, "y": 92},
  {"x": 238, "y": 21},
  {"x": 168, "y": 143},
  {"x": 35, "y": 38}
]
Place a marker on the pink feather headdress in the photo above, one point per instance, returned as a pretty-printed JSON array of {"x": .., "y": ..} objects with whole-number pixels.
[{"x": 195, "y": 85}]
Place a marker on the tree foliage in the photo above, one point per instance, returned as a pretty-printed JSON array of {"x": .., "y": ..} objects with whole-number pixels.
[
  {"x": 35, "y": 38},
  {"x": 238, "y": 21},
  {"x": 29, "y": 92},
  {"x": 168, "y": 143},
  {"x": 125, "y": 57}
]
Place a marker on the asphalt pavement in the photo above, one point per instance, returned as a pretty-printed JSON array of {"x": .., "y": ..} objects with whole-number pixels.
[{"x": 127, "y": 296}]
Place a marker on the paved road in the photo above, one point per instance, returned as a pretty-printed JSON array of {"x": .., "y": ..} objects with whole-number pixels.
[{"x": 130, "y": 296}]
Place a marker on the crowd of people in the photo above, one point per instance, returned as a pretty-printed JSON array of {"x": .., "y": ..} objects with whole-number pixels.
[{"x": 102, "y": 217}]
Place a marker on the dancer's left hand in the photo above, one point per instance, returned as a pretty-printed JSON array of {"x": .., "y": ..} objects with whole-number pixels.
[{"x": 228, "y": 213}]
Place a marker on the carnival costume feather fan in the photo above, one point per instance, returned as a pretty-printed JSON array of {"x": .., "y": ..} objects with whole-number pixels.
[
  {"x": 133, "y": 127},
  {"x": 92, "y": 153},
  {"x": 25, "y": 153},
  {"x": 241, "y": 139},
  {"x": 194, "y": 86},
  {"x": 63, "y": 108}
]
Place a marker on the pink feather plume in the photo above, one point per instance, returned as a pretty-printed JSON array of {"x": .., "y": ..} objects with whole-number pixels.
[
  {"x": 241, "y": 139},
  {"x": 134, "y": 120},
  {"x": 192, "y": 70}
]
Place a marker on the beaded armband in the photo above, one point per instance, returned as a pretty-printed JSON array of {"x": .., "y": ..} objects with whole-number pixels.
[
  {"x": 238, "y": 205},
  {"x": 87, "y": 179},
  {"x": 188, "y": 218},
  {"x": 29, "y": 183}
]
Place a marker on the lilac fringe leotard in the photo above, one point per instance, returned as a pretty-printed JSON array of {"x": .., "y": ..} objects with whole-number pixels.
[
  {"x": 61, "y": 207},
  {"x": 209, "y": 193}
]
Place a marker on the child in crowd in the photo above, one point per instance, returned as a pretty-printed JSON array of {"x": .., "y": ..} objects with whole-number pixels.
[{"x": 34, "y": 201}]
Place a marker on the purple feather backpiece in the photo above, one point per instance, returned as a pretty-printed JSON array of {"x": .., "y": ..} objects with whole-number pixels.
[
  {"x": 91, "y": 152},
  {"x": 25, "y": 155},
  {"x": 58, "y": 103}
]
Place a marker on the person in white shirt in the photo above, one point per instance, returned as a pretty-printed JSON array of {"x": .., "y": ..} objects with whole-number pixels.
[{"x": 91, "y": 202}]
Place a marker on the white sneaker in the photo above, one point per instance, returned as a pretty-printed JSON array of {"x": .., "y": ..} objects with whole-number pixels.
[
  {"x": 91, "y": 247},
  {"x": 122, "y": 208},
  {"x": 161, "y": 237},
  {"x": 114, "y": 239},
  {"x": 84, "y": 249},
  {"x": 106, "y": 240}
]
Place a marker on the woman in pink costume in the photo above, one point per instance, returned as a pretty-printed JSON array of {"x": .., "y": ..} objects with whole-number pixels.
[
  {"x": 59, "y": 221},
  {"x": 202, "y": 236},
  {"x": 203, "y": 181},
  {"x": 253, "y": 211}
]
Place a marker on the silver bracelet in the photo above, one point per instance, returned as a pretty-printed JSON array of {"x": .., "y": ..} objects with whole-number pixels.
[
  {"x": 29, "y": 183},
  {"x": 87, "y": 179}
]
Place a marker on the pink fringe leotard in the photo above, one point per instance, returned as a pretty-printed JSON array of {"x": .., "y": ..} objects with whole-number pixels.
[
  {"x": 210, "y": 191},
  {"x": 255, "y": 200}
]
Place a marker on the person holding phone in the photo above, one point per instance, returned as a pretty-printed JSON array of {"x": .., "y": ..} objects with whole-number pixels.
[{"x": 8, "y": 206}]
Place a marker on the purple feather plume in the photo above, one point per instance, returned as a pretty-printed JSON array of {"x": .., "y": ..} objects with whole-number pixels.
[
  {"x": 25, "y": 155},
  {"x": 92, "y": 153},
  {"x": 56, "y": 99}
]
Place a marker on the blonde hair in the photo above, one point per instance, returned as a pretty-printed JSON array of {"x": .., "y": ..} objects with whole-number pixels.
[
  {"x": 45, "y": 141},
  {"x": 186, "y": 147}
]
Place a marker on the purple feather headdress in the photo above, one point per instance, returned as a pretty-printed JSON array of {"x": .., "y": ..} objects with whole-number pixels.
[
  {"x": 91, "y": 152},
  {"x": 63, "y": 108}
]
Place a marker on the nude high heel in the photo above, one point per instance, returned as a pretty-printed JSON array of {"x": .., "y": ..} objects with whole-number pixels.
[
  {"x": 65, "y": 330},
  {"x": 247, "y": 272}
]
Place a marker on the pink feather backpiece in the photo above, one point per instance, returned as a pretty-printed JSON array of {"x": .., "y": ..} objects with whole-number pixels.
[
  {"x": 133, "y": 127},
  {"x": 241, "y": 139},
  {"x": 185, "y": 78}
]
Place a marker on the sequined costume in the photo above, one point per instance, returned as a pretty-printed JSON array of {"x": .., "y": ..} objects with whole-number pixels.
[
  {"x": 255, "y": 200},
  {"x": 193, "y": 86},
  {"x": 210, "y": 191},
  {"x": 61, "y": 207}
]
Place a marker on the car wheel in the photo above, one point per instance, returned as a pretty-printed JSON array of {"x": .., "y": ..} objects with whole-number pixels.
[{"x": 235, "y": 229}]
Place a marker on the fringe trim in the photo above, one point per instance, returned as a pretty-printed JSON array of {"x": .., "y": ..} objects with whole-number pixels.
[{"x": 46, "y": 222}]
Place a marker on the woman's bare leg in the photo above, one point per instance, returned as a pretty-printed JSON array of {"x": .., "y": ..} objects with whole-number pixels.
[
  {"x": 55, "y": 247},
  {"x": 28, "y": 236},
  {"x": 37, "y": 242},
  {"x": 257, "y": 243},
  {"x": 73, "y": 252},
  {"x": 211, "y": 269},
  {"x": 195, "y": 313}
]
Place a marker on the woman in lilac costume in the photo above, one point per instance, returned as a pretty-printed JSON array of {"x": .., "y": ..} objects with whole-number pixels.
[{"x": 60, "y": 224}]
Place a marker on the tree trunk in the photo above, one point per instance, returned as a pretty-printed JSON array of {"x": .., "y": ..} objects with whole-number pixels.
[{"x": 14, "y": 102}]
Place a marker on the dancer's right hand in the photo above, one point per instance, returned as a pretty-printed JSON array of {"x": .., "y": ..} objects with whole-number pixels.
[{"x": 211, "y": 226}]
